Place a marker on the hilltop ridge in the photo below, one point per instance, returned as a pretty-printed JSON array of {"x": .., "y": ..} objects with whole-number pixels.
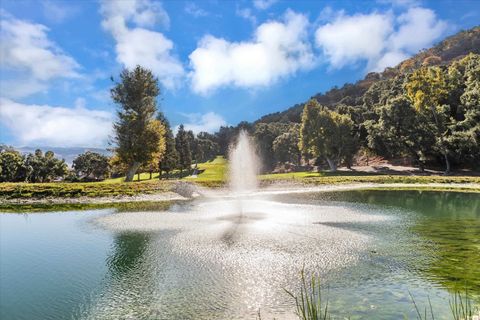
[{"x": 451, "y": 48}]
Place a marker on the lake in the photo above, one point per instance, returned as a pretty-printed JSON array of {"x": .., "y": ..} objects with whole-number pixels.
[{"x": 232, "y": 257}]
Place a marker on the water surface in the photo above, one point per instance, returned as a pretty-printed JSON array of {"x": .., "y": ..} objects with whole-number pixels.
[{"x": 228, "y": 258}]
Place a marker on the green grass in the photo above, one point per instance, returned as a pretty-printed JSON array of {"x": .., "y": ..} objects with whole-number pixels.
[
  {"x": 75, "y": 190},
  {"x": 340, "y": 177},
  {"x": 145, "y": 176},
  {"x": 212, "y": 173},
  {"x": 52, "y": 207}
]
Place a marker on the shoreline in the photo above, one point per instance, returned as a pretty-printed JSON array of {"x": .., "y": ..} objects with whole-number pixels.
[{"x": 280, "y": 187}]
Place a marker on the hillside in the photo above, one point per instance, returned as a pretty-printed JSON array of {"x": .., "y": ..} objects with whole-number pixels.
[{"x": 452, "y": 48}]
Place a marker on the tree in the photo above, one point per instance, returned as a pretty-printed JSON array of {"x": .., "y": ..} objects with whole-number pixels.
[
  {"x": 265, "y": 134},
  {"x": 428, "y": 91},
  {"x": 192, "y": 144},
  {"x": 326, "y": 134},
  {"x": 91, "y": 165},
  {"x": 169, "y": 161},
  {"x": 46, "y": 167},
  {"x": 11, "y": 165},
  {"x": 139, "y": 137},
  {"x": 464, "y": 93},
  {"x": 225, "y": 136},
  {"x": 183, "y": 148},
  {"x": 205, "y": 149},
  {"x": 400, "y": 130},
  {"x": 285, "y": 146}
]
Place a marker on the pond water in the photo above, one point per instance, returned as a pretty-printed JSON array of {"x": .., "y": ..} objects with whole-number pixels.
[{"x": 228, "y": 258}]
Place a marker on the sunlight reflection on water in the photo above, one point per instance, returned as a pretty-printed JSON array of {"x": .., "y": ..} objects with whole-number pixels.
[{"x": 236, "y": 254}]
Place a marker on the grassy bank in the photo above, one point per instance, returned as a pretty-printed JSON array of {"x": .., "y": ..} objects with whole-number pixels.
[
  {"x": 119, "y": 206},
  {"x": 74, "y": 190}
]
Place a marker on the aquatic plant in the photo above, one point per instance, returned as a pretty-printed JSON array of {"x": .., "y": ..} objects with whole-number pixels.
[
  {"x": 460, "y": 306},
  {"x": 309, "y": 305}
]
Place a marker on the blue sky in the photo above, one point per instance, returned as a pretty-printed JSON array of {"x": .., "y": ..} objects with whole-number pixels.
[{"x": 218, "y": 62}]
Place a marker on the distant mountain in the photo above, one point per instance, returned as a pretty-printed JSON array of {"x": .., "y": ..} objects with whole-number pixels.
[
  {"x": 68, "y": 154},
  {"x": 452, "y": 48}
]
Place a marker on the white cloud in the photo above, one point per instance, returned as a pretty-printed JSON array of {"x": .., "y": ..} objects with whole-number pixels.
[
  {"x": 378, "y": 38},
  {"x": 144, "y": 13},
  {"x": 56, "y": 126},
  {"x": 263, "y": 4},
  {"x": 30, "y": 57},
  {"x": 208, "y": 122},
  {"x": 58, "y": 11},
  {"x": 278, "y": 49},
  {"x": 400, "y": 3},
  {"x": 21, "y": 87},
  {"x": 194, "y": 10},
  {"x": 350, "y": 38},
  {"x": 388, "y": 59},
  {"x": 418, "y": 28},
  {"x": 246, "y": 14},
  {"x": 138, "y": 45}
]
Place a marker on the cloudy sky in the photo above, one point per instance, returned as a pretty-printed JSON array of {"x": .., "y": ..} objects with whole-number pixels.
[{"x": 218, "y": 62}]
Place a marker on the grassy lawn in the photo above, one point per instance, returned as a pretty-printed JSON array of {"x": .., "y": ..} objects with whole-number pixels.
[
  {"x": 215, "y": 175},
  {"x": 354, "y": 177},
  {"x": 211, "y": 171},
  {"x": 143, "y": 177}
]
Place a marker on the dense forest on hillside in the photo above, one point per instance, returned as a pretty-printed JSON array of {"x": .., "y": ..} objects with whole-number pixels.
[
  {"x": 425, "y": 110},
  {"x": 452, "y": 48}
]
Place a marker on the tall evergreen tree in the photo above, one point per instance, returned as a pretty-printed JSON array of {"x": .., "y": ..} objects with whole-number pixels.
[
  {"x": 139, "y": 137},
  {"x": 169, "y": 161},
  {"x": 182, "y": 145}
]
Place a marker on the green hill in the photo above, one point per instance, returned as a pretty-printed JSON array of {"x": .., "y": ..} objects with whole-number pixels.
[{"x": 452, "y": 48}]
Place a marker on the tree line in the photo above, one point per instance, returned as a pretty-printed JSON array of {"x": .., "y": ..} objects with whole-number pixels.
[{"x": 430, "y": 115}]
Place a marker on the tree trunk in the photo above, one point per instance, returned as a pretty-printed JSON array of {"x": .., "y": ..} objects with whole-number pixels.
[
  {"x": 447, "y": 163},
  {"x": 332, "y": 165},
  {"x": 150, "y": 175},
  {"x": 131, "y": 171},
  {"x": 138, "y": 176}
]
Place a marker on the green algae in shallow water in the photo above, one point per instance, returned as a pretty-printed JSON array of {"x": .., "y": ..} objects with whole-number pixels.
[{"x": 447, "y": 230}]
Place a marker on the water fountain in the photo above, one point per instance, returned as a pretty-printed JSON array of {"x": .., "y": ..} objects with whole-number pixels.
[{"x": 243, "y": 167}]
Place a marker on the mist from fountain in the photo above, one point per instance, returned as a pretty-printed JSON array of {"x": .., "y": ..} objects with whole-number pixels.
[{"x": 243, "y": 166}]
